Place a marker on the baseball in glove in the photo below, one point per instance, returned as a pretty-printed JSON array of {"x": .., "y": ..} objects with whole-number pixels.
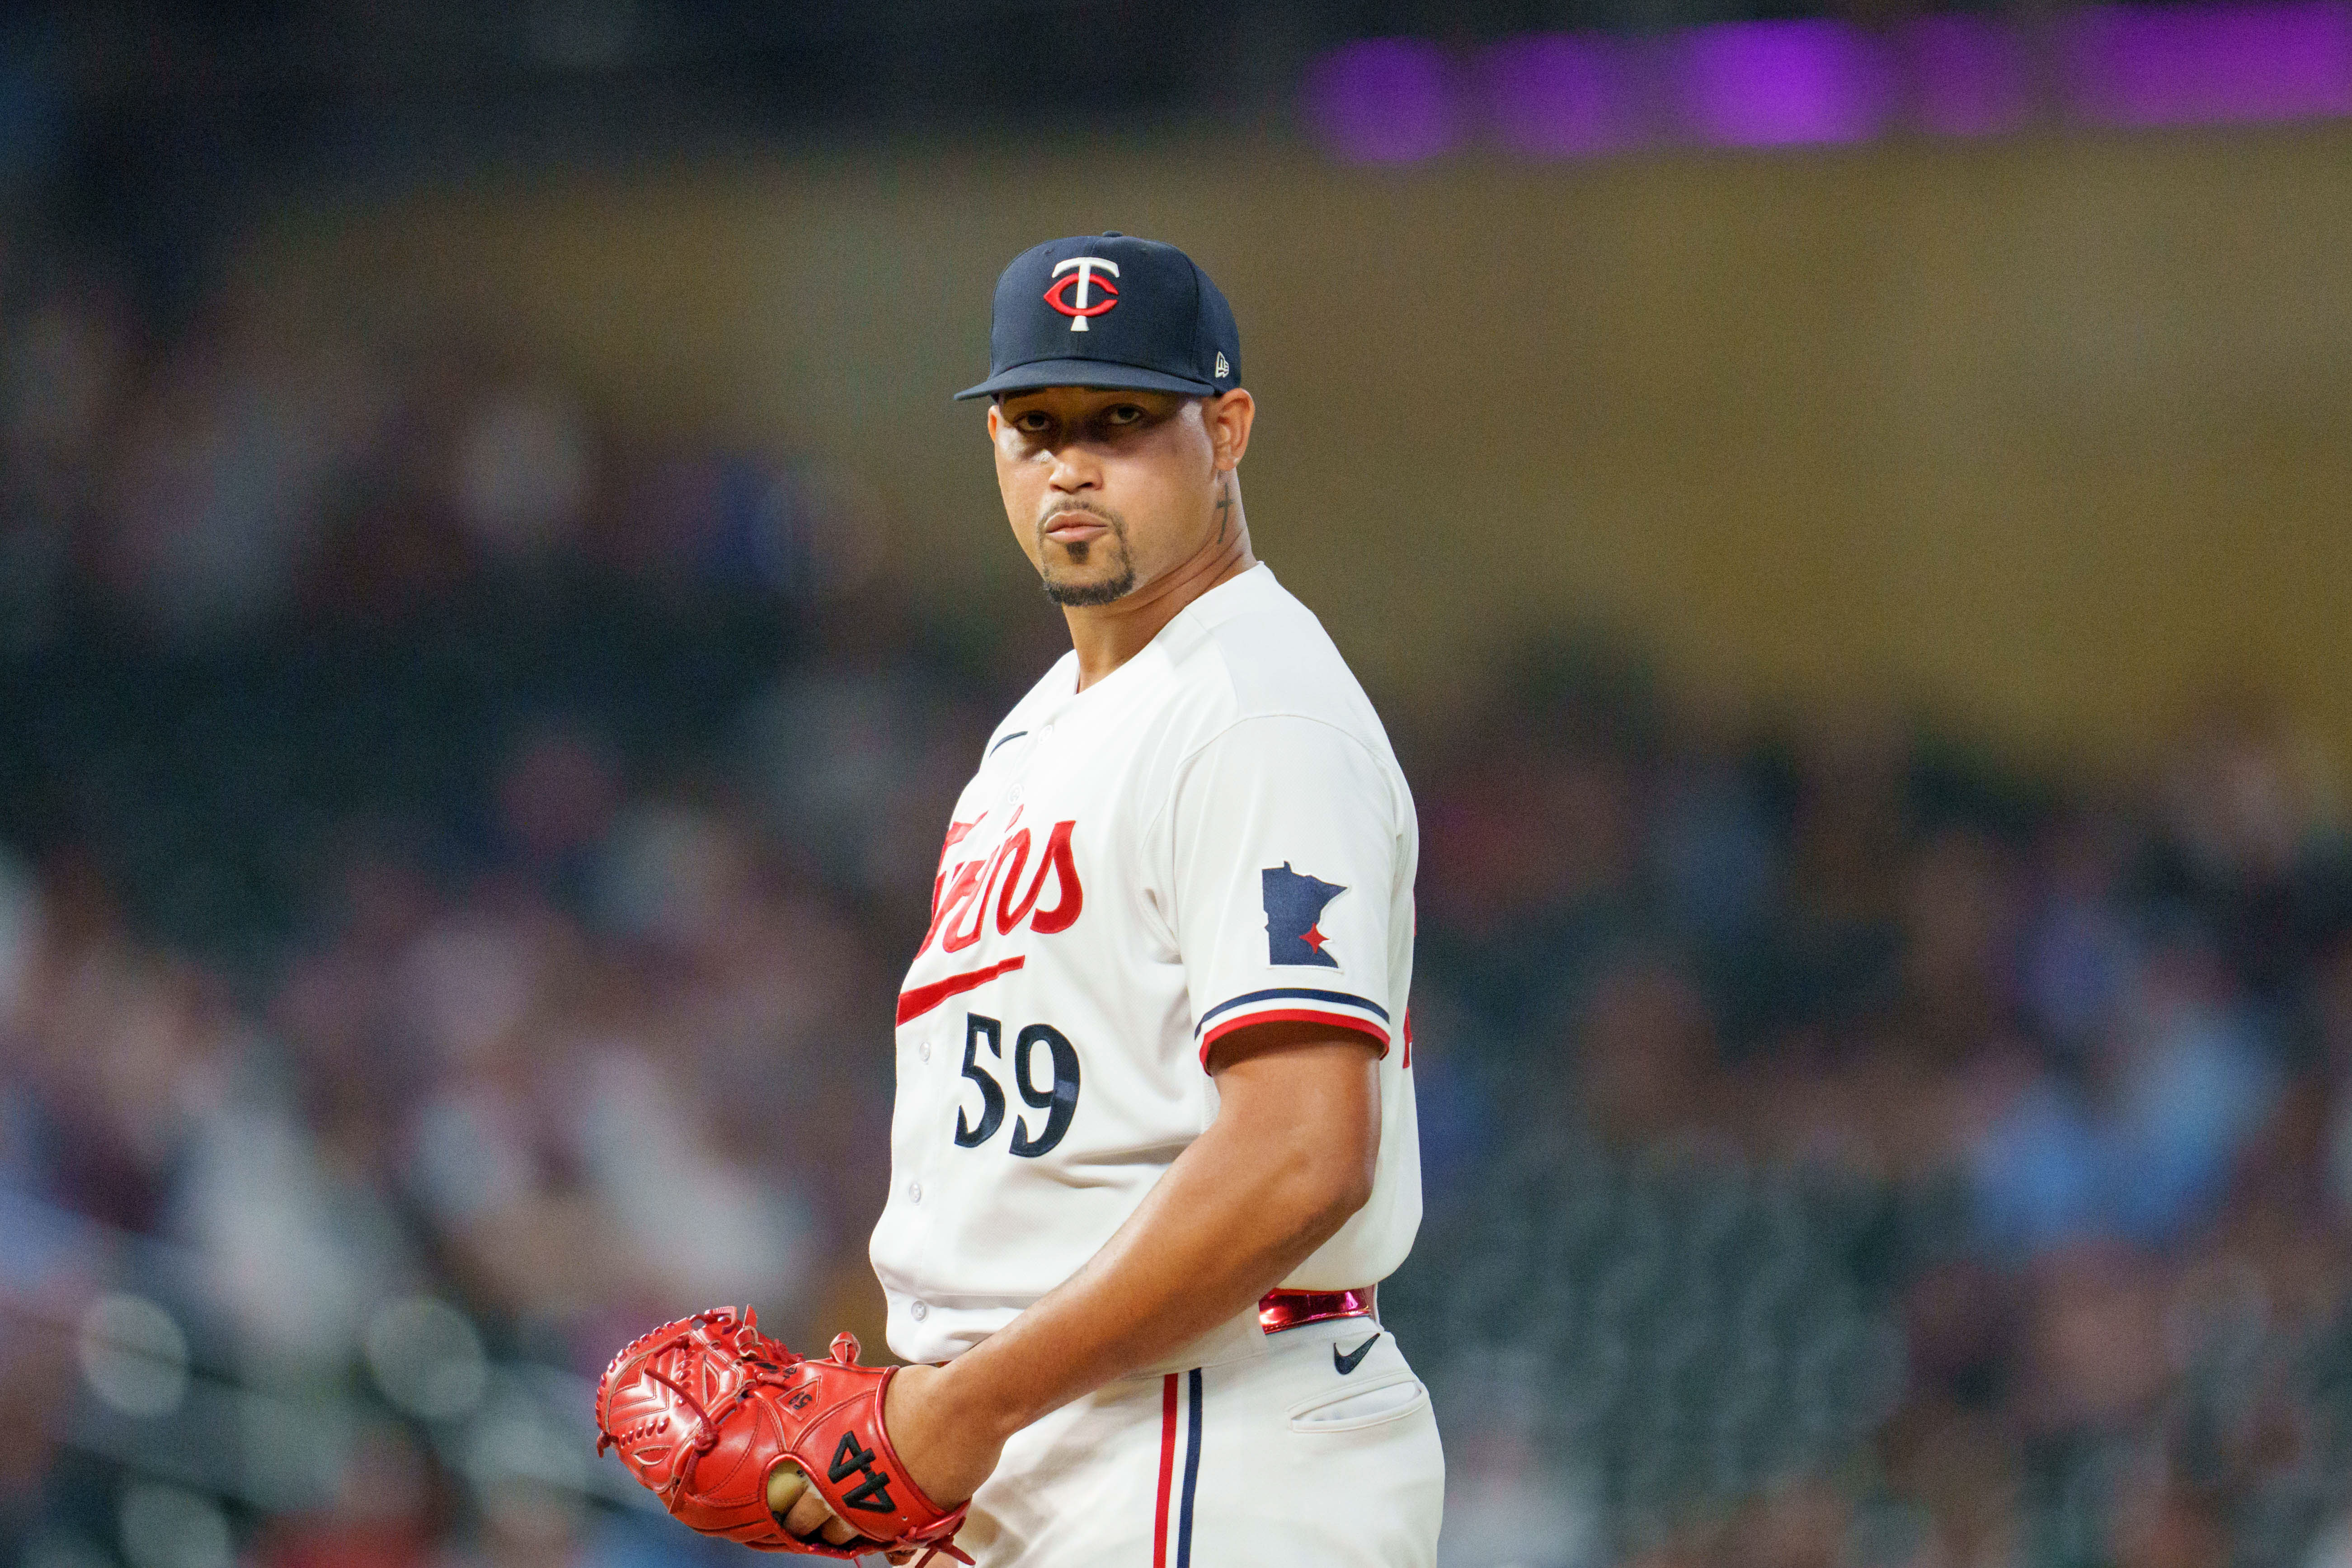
[{"x": 704, "y": 1410}]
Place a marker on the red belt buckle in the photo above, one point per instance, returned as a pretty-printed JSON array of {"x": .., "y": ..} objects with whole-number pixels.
[{"x": 1281, "y": 1310}]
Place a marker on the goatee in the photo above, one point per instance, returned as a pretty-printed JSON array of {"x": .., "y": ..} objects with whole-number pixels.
[{"x": 1109, "y": 591}]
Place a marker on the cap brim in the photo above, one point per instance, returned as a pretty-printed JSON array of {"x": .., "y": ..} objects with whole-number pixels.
[{"x": 1100, "y": 374}]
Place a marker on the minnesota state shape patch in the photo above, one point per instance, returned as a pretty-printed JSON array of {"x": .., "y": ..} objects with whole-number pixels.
[{"x": 1294, "y": 907}]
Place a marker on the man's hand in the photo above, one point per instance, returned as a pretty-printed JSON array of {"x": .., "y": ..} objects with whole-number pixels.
[
  {"x": 792, "y": 1499},
  {"x": 946, "y": 1455}
]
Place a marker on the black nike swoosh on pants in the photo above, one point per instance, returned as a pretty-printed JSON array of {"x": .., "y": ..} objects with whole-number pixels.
[{"x": 1349, "y": 1362}]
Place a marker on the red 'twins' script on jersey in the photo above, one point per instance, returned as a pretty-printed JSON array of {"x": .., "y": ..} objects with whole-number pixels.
[{"x": 961, "y": 901}]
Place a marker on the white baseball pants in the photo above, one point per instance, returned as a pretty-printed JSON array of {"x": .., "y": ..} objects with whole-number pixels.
[{"x": 1312, "y": 1449}]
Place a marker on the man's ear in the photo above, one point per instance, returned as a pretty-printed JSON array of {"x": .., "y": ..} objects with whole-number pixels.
[
  {"x": 995, "y": 419},
  {"x": 1228, "y": 416}
]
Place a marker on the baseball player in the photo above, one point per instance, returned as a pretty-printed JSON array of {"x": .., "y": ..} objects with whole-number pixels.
[{"x": 1154, "y": 1143}]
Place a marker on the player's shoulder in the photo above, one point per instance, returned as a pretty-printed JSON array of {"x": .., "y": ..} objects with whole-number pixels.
[{"x": 1249, "y": 649}]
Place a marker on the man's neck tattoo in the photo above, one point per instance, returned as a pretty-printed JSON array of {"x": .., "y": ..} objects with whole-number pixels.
[{"x": 1224, "y": 508}]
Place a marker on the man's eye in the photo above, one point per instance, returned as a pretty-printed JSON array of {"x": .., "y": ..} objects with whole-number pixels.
[
  {"x": 1032, "y": 424},
  {"x": 1125, "y": 414}
]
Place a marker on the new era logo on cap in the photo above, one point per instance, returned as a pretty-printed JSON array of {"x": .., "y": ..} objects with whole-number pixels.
[{"x": 1109, "y": 310}]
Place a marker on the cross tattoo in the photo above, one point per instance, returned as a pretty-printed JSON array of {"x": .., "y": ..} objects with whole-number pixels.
[{"x": 1224, "y": 508}]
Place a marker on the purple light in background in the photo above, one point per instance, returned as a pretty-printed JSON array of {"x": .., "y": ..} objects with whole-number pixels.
[
  {"x": 1383, "y": 101},
  {"x": 2191, "y": 65},
  {"x": 1768, "y": 84},
  {"x": 1558, "y": 95},
  {"x": 1968, "y": 74}
]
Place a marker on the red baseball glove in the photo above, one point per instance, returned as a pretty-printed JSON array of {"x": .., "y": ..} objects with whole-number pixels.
[{"x": 704, "y": 1410}]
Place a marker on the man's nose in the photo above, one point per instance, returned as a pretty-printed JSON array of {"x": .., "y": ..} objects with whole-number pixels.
[{"x": 1072, "y": 471}]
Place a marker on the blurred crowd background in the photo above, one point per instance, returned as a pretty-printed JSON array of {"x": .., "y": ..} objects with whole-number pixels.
[{"x": 461, "y": 825}]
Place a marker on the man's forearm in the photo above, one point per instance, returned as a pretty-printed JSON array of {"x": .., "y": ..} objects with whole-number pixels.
[{"x": 1240, "y": 1208}]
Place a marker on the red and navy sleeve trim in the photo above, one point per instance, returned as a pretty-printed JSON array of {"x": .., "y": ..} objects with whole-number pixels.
[
  {"x": 1293, "y": 1003},
  {"x": 1293, "y": 993}
]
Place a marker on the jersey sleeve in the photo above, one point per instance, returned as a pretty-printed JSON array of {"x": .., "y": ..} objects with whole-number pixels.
[{"x": 1285, "y": 850}]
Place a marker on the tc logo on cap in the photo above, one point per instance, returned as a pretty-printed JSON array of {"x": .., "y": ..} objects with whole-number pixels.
[{"x": 1083, "y": 274}]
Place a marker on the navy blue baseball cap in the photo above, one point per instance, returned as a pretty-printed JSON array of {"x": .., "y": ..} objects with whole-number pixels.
[{"x": 1109, "y": 310}]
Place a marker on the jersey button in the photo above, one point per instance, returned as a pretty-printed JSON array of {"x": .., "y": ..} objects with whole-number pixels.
[
  {"x": 924, "y": 1050},
  {"x": 919, "y": 1312},
  {"x": 914, "y": 1191}
]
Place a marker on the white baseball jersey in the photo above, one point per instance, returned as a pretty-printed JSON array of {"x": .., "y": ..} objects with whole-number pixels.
[{"x": 1214, "y": 834}]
